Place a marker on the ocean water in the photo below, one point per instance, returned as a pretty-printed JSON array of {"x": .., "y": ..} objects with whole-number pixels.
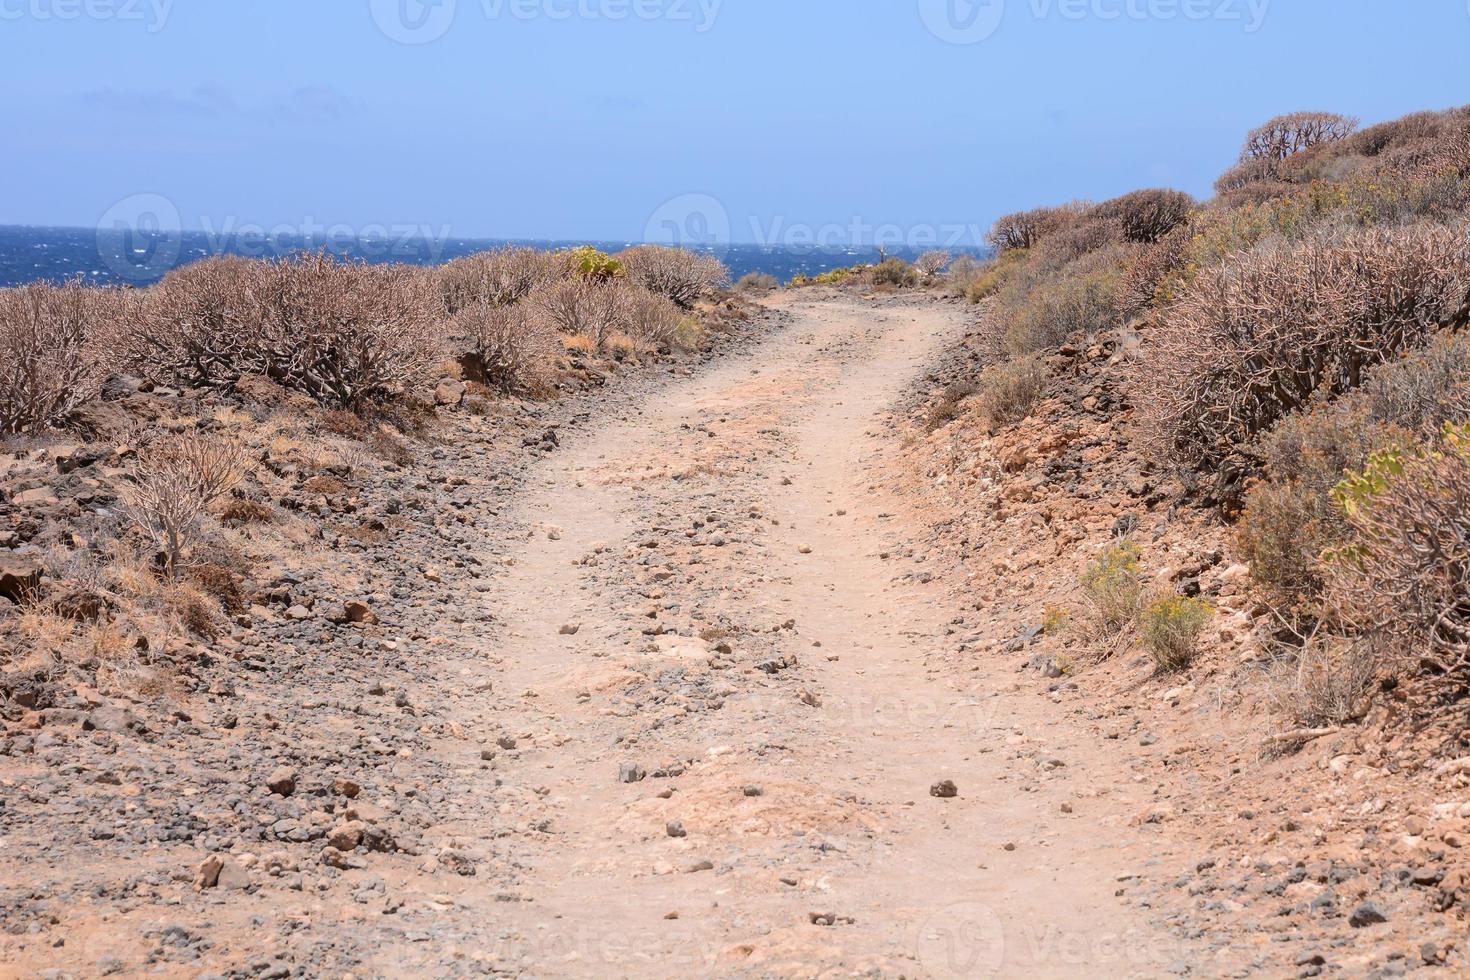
[{"x": 138, "y": 258}]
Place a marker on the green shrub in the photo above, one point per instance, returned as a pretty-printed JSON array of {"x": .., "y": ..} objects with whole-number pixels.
[
  {"x": 1171, "y": 628},
  {"x": 1113, "y": 586},
  {"x": 893, "y": 272},
  {"x": 593, "y": 264}
]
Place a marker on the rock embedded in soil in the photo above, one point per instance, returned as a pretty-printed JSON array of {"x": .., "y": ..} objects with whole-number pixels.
[
  {"x": 631, "y": 772},
  {"x": 945, "y": 789}
]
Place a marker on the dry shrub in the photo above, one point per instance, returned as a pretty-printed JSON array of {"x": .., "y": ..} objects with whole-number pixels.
[
  {"x": 947, "y": 407},
  {"x": 242, "y": 510},
  {"x": 49, "y": 340},
  {"x": 1148, "y": 215},
  {"x": 203, "y": 324},
  {"x": 214, "y": 579},
  {"x": 1113, "y": 586},
  {"x": 348, "y": 333},
  {"x": 674, "y": 273},
  {"x": 582, "y": 307},
  {"x": 1143, "y": 282},
  {"x": 344, "y": 333},
  {"x": 192, "y": 609},
  {"x": 1294, "y": 132},
  {"x": 931, "y": 264},
  {"x": 1036, "y": 310},
  {"x": 759, "y": 283},
  {"x": 1090, "y": 233},
  {"x": 652, "y": 319},
  {"x": 510, "y": 348},
  {"x": 1251, "y": 341},
  {"x": 172, "y": 484},
  {"x": 1404, "y": 581},
  {"x": 1291, "y": 519},
  {"x": 1326, "y": 682},
  {"x": 499, "y": 277},
  {"x": 348, "y": 425},
  {"x": 1170, "y": 627},
  {"x": 1027, "y": 229},
  {"x": 1009, "y": 392}
]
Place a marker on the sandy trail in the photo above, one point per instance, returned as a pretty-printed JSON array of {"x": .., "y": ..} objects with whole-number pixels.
[{"x": 792, "y": 712}]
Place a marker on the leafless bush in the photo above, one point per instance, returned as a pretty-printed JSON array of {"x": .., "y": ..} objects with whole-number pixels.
[
  {"x": 48, "y": 352},
  {"x": 172, "y": 484},
  {"x": 348, "y": 333},
  {"x": 650, "y": 317},
  {"x": 1091, "y": 233},
  {"x": 498, "y": 277},
  {"x": 344, "y": 333},
  {"x": 511, "y": 348},
  {"x": 1325, "y": 682},
  {"x": 1010, "y": 391},
  {"x": 582, "y": 307},
  {"x": 931, "y": 264},
  {"x": 1026, "y": 229},
  {"x": 1292, "y": 133},
  {"x": 1290, "y": 518},
  {"x": 1143, "y": 278},
  {"x": 678, "y": 274},
  {"x": 1253, "y": 339},
  {"x": 1405, "y": 580},
  {"x": 1148, "y": 215},
  {"x": 203, "y": 325}
]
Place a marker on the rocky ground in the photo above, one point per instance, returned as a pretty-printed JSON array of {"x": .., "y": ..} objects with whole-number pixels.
[{"x": 720, "y": 670}]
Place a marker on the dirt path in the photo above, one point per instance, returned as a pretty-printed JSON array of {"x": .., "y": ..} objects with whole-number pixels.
[
  {"x": 662, "y": 694},
  {"x": 728, "y": 693}
]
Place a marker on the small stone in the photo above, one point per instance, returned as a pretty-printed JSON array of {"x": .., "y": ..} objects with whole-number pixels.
[
  {"x": 1009, "y": 846},
  {"x": 1147, "y": 739},
  {"x": 487, "y": 755},
  {"x": 675, "y": 829},
  {"x": 346, "y": 787},
  {"x": 631, "y": 772},
  {"x": 282, "y": 781},
  {"x": 671, "y": 915},
  {"x": 945, "y": 789},
  {"x": 233, "y": 877},
  {"x": 506, "y": 742},
  {"x": 1365, "y": 915},
  {"x": 207, "y": 874},
  {"x": 571, "y": 629},
  {"x": 822, "y": 918},
  {"x": 345, "y": 836},
  {"x": 805, "y": 549},
  {"x": 753, "y": 791},
  {"x": 361, "y": 613}
]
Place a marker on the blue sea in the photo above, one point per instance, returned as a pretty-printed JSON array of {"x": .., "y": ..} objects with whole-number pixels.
[{"x": 138, "y": 258}]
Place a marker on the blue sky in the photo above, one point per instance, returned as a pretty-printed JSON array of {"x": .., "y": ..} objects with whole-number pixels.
[{"x": 561, "y": 119}]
